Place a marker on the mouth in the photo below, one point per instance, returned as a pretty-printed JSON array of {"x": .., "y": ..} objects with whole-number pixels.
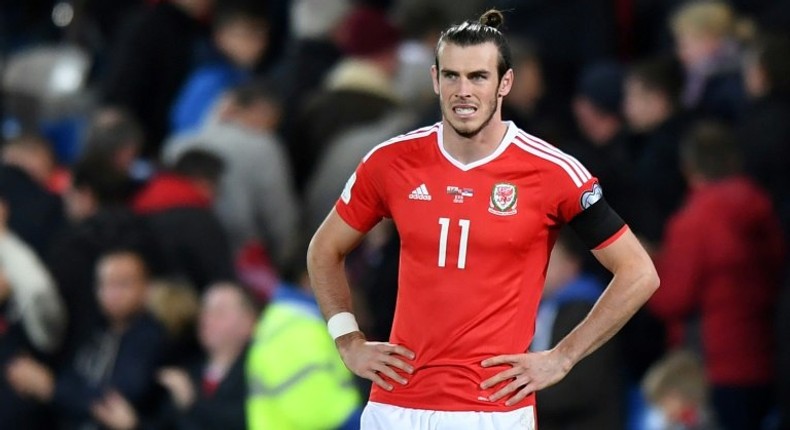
[{"x": 465, "y": 110}]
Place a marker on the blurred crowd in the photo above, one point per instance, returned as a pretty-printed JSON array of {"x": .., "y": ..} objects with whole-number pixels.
[{"x": 164, "y": 164}]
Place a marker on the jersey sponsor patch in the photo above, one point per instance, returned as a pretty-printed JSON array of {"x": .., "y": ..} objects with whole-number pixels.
[
  {"x": 504, "y": 199},
  {"x": 346, "y": 194},
  {"x": 420, "y": 193},
  {"x": 459, "y": 193},
  {"x": 591, "y": 196}
]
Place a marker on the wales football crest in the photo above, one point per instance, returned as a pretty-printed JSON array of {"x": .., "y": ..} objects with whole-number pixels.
[{"x": 504, "y": 198}]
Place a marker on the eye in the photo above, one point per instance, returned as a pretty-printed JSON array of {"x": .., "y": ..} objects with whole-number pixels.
[{"x": 479, "y": 77}]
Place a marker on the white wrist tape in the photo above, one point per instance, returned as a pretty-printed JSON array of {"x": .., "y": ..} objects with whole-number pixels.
[{"x": 341, "y": 324}]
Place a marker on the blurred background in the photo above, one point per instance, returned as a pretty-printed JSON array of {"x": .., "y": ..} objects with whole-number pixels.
[{"x": 165, "y": 163}]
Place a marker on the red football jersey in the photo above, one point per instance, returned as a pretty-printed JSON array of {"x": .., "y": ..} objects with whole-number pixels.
[{"x": 475, "y": 242}]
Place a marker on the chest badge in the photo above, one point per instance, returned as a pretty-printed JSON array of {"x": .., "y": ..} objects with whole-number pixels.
[
  {"x": 459, "y": 193},
  {"x": 504, "y": 199}
]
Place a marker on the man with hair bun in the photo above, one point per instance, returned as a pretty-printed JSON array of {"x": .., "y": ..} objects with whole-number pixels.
[{"x": 478, "y": 204}]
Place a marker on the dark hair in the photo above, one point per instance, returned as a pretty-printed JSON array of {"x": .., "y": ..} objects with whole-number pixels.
[
  {"x": 663, "y": 74},
  {"x": 773, "y": 56},
  {"x": 108, "y": 186},
  {"x": 709, "y": 149},
  {"x": 523, "y": 51},
  {"x": 247, "y": 300},
  {"x": 131, "y": 251},
  {"x": 200, "y": 164},
  {"x": 110, "y": 130},
  {"x": 233, "y": 12},
  {"x": 255, "y": 91},
  {"x": 484, "y": 30}
]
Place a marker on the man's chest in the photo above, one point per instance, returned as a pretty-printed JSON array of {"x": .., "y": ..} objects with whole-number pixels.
[{"x": 456, "y": 216}]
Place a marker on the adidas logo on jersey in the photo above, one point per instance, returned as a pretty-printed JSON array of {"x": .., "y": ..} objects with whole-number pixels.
[{"x": 420, "y": 193}]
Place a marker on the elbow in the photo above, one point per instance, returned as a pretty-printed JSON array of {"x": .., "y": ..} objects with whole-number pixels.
[
  {"x": 313, "y": 253},
  {"x": 320, "y": 253},
  {"x": 651, "y": 279}
]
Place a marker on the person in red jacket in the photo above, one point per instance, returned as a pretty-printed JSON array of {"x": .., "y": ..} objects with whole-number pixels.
[
  {"x": 721, "y": 262},
  {"x": 178, "y": 205}
]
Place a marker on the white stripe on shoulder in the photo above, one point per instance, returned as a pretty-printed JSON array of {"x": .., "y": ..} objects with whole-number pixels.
[
  {"x": 583, "y": 173},
  {"x": 420, "y": 130},
  {"x": 416, "y": 134},
  {"x": 521, "y": 143}
]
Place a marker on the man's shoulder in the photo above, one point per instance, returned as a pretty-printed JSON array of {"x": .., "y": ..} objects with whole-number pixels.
[
  {"x": 400, "y": 145},
  {"x": 548, "y": 159}
]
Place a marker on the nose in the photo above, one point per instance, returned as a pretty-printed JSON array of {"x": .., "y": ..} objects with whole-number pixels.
[{"x": 464, "y": 88}]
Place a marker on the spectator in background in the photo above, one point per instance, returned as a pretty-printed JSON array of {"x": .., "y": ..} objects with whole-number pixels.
[
  {"x": 422, "y": 24},
  {"x": 29, "y": 294},
  {"x": 590, "y": 396},
  {"x": 764, "y": 133},
  {"x": 722, "y": 260},
  {"x": 114, "y": 138},
  {"x": 706, "y": 43},
  {"x": 765, "y": 130},
  {"x": 178, "y": 207},
  {"x": 605, "y": 148},
  {"x": 210, "y": 395},
  {"x": 32, "y": 319},
  {"x": 340, "y": 160},
  {"x": 176, "y": 304},
  {"x": 359, "y": 90},
  {"x": 315, "y": 26},
  {"x": 653, "y": 112},
  {"x": 524, "y": 105},
  {"x": 564, "y": 54},
  {"x": 152, "y": 58},
  {"x": 241, "y": 38},
  {"x": 677, "y": 387},
  {"x": 310, "y": 389},
  {"x": 256, "y": 201},
  {"x": 119, "y": 360},
  {"x": 36, "y": 214},
  {"x": 95, "y": 204}
]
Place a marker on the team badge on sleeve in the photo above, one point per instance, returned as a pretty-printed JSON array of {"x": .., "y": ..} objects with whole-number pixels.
[
  {"x": 346, "y": 195},
  {"x": 591, "y": 196},
  {"x": 504, "y": 198}
]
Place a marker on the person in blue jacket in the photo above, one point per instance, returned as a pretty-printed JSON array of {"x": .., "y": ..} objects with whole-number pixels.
[{"x": 241, "y": 38}]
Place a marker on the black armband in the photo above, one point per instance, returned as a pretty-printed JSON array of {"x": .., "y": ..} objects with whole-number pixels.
[{"x": 596, "y": 224}]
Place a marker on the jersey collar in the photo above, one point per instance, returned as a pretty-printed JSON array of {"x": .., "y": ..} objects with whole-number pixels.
[{"x": 509, "y": 136}]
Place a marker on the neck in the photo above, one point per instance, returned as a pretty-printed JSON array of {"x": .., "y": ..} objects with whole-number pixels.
[
  {"x": 470, "y": 149},
  {"x": 223, "y": 359},
  {"x": 120, "y": 325}
]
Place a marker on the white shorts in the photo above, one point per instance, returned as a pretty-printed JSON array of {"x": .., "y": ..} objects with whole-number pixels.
[{"x": 378, "y": 416}]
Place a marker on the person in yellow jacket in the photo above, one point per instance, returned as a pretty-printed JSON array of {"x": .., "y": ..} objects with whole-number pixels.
[{"x": 296, "y": 379}]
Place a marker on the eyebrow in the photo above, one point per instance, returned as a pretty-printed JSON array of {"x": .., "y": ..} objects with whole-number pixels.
[{"x": 473, "y": 72}]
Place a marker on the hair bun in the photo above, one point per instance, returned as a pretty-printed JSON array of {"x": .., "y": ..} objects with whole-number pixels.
[{"x": 492, "y": 18}]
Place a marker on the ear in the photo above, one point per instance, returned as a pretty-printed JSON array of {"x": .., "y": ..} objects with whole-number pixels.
[
  {"x": 506, "y": 84},
  {"x": 435, "y": 79}
]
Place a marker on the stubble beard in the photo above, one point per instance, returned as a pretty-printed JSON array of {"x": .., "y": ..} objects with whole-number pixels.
[{"x": 472, "y": 133}]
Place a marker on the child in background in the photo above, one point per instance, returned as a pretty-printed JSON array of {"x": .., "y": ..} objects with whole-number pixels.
[
  {"x": 677, "y": 388},
  {"x": 241, "y": 36},
  {"x": 707, "y": 35}
]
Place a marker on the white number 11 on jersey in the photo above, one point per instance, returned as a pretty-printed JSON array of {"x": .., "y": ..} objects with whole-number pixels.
[{"x": 445, "y": 225}]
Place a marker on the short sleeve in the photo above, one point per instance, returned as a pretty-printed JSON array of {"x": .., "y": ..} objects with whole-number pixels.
[
  {"x": 579, "y": 201},
  {"x": 571, "y": 196},
  {"x": 361, "y": 204}
]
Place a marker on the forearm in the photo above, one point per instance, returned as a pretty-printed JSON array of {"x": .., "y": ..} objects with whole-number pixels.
[
  {"x": 328, "y": 280},
  {"x": 629, "y": 289}
]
